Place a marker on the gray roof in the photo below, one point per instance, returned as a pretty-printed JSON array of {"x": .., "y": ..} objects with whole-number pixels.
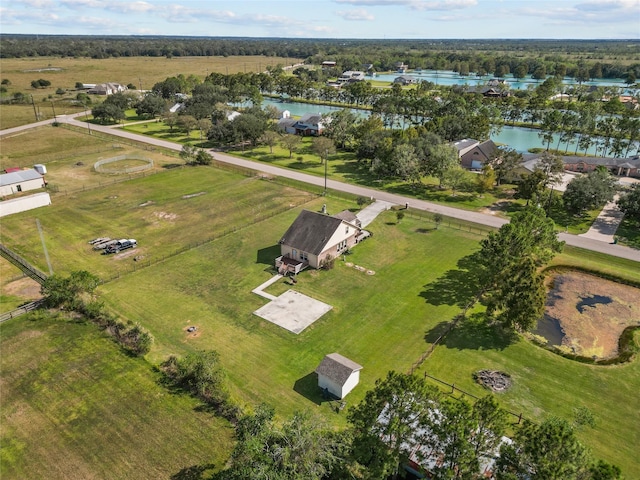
[
  {"x": 17, "y": 177},
  {"x": 347, "y": 216},
  {"x": 531, "y": 160},
  {"x": 632, "y": 162},
  {"x": 337, "y": 368},
  {"x": 287, "y": 122},
  {"x": 310, "y": 119},
  {"x": 310, "y": 232},
  {"x": 465, "y": 143},
  {"x": 485, "y": 150}
]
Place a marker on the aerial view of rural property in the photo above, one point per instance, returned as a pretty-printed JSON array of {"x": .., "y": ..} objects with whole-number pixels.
[{"x": 342, "y": 240}]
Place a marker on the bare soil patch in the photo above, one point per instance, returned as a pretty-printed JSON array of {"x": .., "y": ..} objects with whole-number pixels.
[
  {"x": 25, "y": 288},
  {"x": 591, "y": 314}
]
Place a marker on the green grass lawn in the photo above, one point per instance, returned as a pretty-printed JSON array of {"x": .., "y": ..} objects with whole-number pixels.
[
  {"x": 383, "y": 321},
  {"x": 76, "y": 407},
  {"x": 166, "y": 212},
  {"x": 377, "y": 320}
]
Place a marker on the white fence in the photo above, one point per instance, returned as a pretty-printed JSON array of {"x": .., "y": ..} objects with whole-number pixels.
[{"x": 98, "y": 165}]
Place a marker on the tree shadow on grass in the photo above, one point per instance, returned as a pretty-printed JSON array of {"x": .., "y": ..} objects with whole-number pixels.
[
  {"x": 473, "y": 333},
  {"x": 268, "y": 255},
  {"x": 457, "y": 286},
  {"x": 307, "y": 386},
  {"x": 195, "y": 472}
]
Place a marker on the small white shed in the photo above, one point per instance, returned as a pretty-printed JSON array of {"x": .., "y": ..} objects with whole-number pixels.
[{"x": 338, "y": 375}]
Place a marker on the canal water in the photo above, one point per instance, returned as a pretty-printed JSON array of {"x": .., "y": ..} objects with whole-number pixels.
[
  {"x": 450, "y": 78},
  {"x": 519, "y": 138}
]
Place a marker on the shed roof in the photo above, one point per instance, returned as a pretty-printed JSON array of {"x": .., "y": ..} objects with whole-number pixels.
[
  {"x": 310, "y": 231},
  {"x": 337, "y": 368},
  {"x": 17, "y": 177}
]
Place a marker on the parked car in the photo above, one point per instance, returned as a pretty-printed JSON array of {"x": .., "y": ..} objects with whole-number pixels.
[{"x": 123, "y": 244}]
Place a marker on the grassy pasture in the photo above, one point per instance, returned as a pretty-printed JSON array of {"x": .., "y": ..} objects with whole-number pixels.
[
  {"x": 75, "y": 407},
  {"x": 165, "y": 212},
  {"x": 384, "y": 321},
  {"x": 69, "y": 156},
  {"x": 143, "y": 72},
  {"x": 15, "y": 288}
]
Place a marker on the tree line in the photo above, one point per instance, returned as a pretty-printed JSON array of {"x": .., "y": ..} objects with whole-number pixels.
[
  {"x": 402, "y": 422},
  {"x": 518, "y": 57}
]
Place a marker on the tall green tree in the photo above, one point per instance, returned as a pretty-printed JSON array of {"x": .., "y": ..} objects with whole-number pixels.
[
  {"x": 385, "y": 422},
  {"x": 590, "y": 191},
  {"x": 299, "y": 449},
  {"x": 340, "y": 127},
  {"x": 442, "y": 158},
  {"x": 323, "y": 147},
  {"x": 68, "y": 292},
  {"x": 513, "y": 290},
  {"x": 291, "y": 142},
  {"x": 151, "y": 106},
  {"x": 629, "y": 203},
  {"x": 549, "y": 451}
]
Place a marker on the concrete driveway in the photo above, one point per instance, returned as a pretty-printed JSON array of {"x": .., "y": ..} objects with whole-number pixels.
[{"x": 369, "y": 213}]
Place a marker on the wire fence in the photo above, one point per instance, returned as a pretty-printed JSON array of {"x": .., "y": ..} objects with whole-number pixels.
[
  {"x": 465, "y": 393},
  {"x": 23, "y": 265}
]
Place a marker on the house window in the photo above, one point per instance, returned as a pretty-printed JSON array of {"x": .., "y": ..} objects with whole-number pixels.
[
  {"x": 304, "y": 257},
  {"x": 19, "y": 188},
  {"x": 346, "y": 229}
]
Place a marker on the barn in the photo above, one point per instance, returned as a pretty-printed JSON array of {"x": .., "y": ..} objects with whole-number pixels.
[{"x": 20, "y": 181}]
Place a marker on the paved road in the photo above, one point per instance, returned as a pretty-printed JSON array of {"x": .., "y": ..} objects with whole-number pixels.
[{"x": 475, "y": 217}]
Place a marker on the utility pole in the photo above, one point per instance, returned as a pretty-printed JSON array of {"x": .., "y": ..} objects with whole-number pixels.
[
  {"x": 35, "y": 112},
  {"x": 326, "y": 160},
  {"x": 44, "y": 246},
  {"x": 86, "y": 114},
  {"x": 55, "y": 118}
]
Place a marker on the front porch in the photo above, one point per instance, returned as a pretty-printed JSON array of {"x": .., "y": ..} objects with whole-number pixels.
[{"x": 286, "y": 265}]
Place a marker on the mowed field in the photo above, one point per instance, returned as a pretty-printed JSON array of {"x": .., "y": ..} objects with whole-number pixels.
[
  {"x": 383, "y": 321},
  {"x": 74, "y": 406},
  {"x": 143, "y": 72}
]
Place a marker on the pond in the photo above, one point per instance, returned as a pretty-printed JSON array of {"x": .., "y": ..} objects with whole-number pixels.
[{"x": 585, "y": 315}]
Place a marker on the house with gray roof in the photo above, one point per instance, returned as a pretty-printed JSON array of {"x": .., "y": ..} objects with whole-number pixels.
[
  {"x": 478, "y": 156},
  {"x": 312, "y": 238},
  {"x": 405, "y": 80},
  {"x": 309, "y": 124},
  {"x": 465, "y": 145},
  {"x": 338, "y": 375},
  {"x": 20, "y": 181}
]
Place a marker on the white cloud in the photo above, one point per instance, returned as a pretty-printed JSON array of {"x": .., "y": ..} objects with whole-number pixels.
[
  {"x": 34, "y": 3},
  {"x": 73, "y": 4},
  {"x": 608, "y": 5},
  {"x": 130, "y": 7},
  {"x": 416, "y": 4},
  {"x": 356, "y": 15}
]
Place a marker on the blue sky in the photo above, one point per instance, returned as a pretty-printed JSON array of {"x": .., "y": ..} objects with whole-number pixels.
[{"x": 581, "y": 19}]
